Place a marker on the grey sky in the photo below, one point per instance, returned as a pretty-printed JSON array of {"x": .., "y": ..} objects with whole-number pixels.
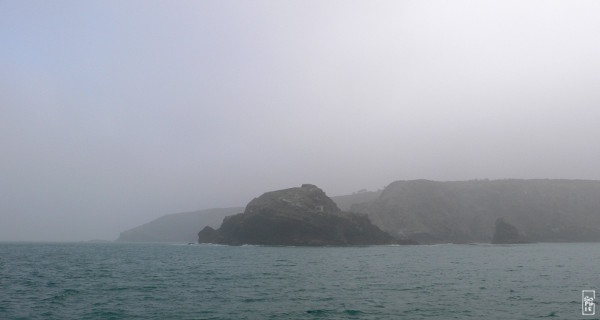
[{"x": 113, "y": 113}]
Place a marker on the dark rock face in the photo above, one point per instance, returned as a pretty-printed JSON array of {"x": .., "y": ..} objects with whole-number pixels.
[
  {"x": 302, "y": 216},
  {"x": 207, "y": 235},
  {"x": 506, "y": 233}
]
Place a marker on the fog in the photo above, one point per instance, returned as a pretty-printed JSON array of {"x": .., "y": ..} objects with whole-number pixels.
[{"x": 113, "y": 113}]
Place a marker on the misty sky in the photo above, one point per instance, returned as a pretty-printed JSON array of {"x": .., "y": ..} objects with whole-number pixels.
[{"x": 113, "y": 113}]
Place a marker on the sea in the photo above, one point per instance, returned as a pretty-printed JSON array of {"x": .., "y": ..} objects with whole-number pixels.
[{"x": 180, "y": 281}]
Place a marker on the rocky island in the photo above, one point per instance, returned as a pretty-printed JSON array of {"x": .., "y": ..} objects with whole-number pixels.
[{"x": 303, "y": 216}]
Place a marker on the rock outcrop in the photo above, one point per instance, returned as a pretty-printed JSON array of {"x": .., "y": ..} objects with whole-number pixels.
[
  {"x": 303, "y": 216},
  {"x": 506, "y": 233},
  {"x": 183, "y": 227}
]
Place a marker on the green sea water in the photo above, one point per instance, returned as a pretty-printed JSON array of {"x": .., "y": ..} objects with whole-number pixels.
[{"x": 162, "y": 281}]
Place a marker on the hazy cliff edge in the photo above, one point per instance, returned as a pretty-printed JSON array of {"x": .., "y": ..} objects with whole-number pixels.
[
  {"x": 177, "y": 227},
  {"x": 466, "y": 211},
  {"x": 302, "y": 216}
]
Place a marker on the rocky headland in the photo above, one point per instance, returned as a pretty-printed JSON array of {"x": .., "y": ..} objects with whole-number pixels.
[{"x": 303, "y": 216}]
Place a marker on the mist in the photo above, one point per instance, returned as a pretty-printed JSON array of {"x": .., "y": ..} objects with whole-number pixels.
[{"x": 114, "y": 113}]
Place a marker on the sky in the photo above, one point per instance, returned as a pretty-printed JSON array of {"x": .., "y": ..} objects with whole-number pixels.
[{"x": 113, "y": 113}]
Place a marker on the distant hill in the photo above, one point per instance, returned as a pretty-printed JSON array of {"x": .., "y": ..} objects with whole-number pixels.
[
  {"x": 347, "y": 201},
  {"x": 178, "y": 227},
  {"x": 184, "y": 227},
  {"x": 466, "y": 211}
]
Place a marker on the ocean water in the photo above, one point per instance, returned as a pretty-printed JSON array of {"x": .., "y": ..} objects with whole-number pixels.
[{"x": 162, "y": 281}]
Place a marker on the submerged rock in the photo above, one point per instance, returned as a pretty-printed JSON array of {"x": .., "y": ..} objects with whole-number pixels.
[
  {"x": 303, "y": 216},
  {"x": 506, "y": 233}
]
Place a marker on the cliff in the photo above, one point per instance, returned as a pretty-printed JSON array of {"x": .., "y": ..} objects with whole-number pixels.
[
  {"x": 303, "y": 216},
  {"x": 466, "y": 211}
]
